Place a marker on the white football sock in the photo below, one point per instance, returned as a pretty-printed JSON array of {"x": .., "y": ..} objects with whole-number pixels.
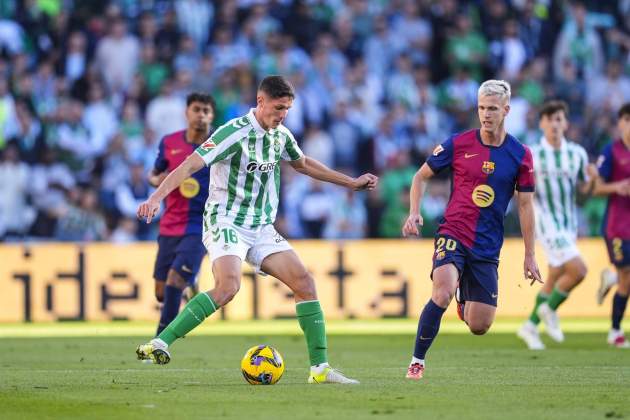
[
  {"x": 416, "y": 360},
  {"x": 317, "y": 369},
  {"x": 160, "y": 343}
]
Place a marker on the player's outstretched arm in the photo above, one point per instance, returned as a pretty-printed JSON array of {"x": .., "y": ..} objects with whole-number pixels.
[
  {"x": 315, "y": 169},
  {"x": 150, "y": 207},
  {"x": 418, "y": 185},
  {"x": 527, "y": 220}
]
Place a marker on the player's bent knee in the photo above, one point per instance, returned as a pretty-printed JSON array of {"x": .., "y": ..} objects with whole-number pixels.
[
  {"x": 479, "y": 329},
  {"x": 159, "y": 290},
  {"x": 581, "y": 272},
  {"x": 231, "y": 290},
  {"x": 305, "y": 287},
  {"x": 225, "y": 295},
  {"x": 442, "y": 297},
  {"x": 175, "y": 280},
  {"x": 479, "y": 325},
  {"x": 227, "y": 288}
]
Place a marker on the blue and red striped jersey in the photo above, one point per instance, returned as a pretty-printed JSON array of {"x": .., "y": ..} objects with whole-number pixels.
[
  {"x": 614, "y": 165},
  {"x": 483, "y": 182},
  {"x": 184, "y": 205}
]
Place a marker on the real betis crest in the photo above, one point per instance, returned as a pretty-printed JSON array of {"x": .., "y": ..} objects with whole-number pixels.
[
  {"x": 206, "y": 147},
  {"x": 276, "y": 146}
]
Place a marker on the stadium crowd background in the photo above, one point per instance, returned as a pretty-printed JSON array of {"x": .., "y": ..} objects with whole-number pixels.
[{"x": 87, "y": 89}]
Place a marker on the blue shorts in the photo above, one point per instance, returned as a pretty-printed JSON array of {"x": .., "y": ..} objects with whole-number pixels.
[
  {"x": 618, "y": 251},
  {"x": 478, "y": 276},
  {"x": 183, "y": 254}
]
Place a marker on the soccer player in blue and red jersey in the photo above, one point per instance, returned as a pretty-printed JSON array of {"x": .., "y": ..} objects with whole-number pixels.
[
  {"x": 180, "y": 248},
  {"x": 487, "y": 166},
  {"x": 614, "y": 181}
]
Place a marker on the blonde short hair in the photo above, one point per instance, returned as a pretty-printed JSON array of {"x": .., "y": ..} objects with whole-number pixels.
[{"x": 495, "y": 88}]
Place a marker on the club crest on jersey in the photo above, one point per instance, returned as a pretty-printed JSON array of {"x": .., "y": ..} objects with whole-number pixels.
[
  {"x": 262, "y": 167},
  {"x": 276, "y": 146},
  {"x": 206, "y": 147},
  {"x": 439, "y": 149},
  {"x": 483, "y": 195},
  {"x": 487, "y": 167},
  {"x": 440, "y": 255}
]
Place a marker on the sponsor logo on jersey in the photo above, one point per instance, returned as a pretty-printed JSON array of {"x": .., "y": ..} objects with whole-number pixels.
[
  {"x": 261, "y": 167},
  {"x": 439, "y": 149},
  {"x": 483, "y": 195},
  {"x": 487, "y": 167},
  {"x": 469, "y": 155},
  {"x": 189, "y": 188}
]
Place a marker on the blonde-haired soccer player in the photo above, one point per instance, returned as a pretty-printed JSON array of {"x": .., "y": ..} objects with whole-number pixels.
[{"x": 487, "y": 166}]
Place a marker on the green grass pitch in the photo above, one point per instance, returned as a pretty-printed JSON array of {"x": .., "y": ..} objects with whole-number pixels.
[{"x": 467, "y": 377}]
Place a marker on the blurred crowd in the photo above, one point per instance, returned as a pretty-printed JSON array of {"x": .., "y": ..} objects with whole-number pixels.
[{"x": 88, "y": 88}]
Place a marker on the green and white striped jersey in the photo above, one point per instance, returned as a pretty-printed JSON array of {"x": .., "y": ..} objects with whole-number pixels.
[
  {"x": 244, "y": 162},
  {"x": 557, "y": 173}
]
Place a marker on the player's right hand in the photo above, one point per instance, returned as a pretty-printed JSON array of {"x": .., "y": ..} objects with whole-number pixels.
[
  {"x": 531, "y": 270},
  {"x": 412, "y": 225},
  {"x": 592, "y": 171},
  {"x": 148, "y": 209}
]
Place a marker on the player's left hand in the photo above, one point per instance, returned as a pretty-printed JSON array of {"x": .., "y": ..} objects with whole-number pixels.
[
  {"x": 365, "y": 182},
  {"x": 531, "y": 270}
]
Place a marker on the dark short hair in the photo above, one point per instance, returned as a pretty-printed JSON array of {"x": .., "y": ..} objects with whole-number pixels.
[
  {"x": 551, "y": 107},
  {"x": 276, "y": 87},
  {"x": 624, "y": 110},
  {"x": 204, "y": 98}
]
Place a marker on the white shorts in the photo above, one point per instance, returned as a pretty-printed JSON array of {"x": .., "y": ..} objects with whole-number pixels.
[
  {"x": 559, "y": 248},
  {"x": 252, "y": 245}
]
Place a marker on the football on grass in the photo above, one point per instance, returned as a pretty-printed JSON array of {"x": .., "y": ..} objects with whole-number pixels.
[{"x": 262, "y": 365}]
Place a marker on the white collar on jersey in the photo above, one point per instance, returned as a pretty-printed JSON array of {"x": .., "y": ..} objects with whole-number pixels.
[
  {"x": 255, "y": 123},
  {"x": 545, "y": 143}
]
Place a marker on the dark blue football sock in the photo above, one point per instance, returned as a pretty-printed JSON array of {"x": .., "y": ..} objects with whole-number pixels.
[
  {"x": 170, "y": 309},
  {"x": 618, "y": 309},
  {"x": 428, "y": 327}
]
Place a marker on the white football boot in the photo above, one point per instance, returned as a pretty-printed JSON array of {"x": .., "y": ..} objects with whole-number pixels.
[{"x": 552, "y": 323}]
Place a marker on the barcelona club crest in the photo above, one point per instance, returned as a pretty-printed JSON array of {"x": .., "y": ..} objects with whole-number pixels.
[{"x": 487, "y": 167}]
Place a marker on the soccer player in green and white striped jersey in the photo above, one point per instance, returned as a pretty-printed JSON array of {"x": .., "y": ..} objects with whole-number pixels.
[
  {"x": 244, "y": 156},
  {"x": 562, "y": 170}
]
